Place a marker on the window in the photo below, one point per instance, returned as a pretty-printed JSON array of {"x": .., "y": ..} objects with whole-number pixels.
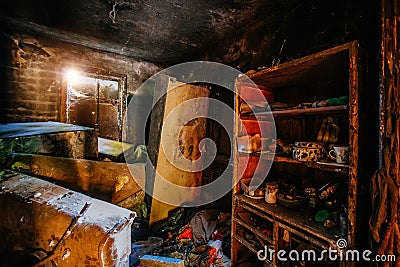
[{"x": 94, "y": 101}]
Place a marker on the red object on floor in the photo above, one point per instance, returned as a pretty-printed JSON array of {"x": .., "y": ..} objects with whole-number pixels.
[
  {"x": 213, "y": 253},
  {"x": 186, "y": 234}
]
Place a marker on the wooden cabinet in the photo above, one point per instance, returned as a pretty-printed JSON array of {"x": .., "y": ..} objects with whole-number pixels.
[{"x": 334, "y": 74}]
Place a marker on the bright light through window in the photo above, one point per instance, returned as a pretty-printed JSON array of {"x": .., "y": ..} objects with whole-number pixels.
[{"x": 72, "y": 76}]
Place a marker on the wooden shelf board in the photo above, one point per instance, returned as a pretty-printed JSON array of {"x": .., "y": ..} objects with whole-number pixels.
[
  {"x": 326, "y": 166},
  {"x": 254, "y": 230},
  {"x": 296, "y": 218},
  {"x": 266, "y": 116},
  {"x": 260, "y": 117},
  {"x": 322, "y": 165},
  {"x": 309, "y": 111},
  {"x": 323, "y": 65},
  {"x": 287, "y": 227},
  {"x": 248, "y": 245}
]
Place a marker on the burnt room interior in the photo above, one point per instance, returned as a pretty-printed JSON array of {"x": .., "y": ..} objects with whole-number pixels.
[{"x": 199, "y": 133}]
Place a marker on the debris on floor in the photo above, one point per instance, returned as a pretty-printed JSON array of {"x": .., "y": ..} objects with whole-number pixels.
[{"x": 199, "y": 238}]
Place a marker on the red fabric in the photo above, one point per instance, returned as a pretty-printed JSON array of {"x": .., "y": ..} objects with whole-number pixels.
[{"x": 186, "y": 234}]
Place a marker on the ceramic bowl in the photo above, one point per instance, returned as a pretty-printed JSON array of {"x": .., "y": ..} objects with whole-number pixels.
[
  {"x": 309, "y": 144},
  {"x": 308, "y": 154}
]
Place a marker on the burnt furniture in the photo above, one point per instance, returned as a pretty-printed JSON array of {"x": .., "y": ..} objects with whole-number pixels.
[
  {"x": 71, "y": 228},
  {"x": 256, "y": 225},
  {"x": 51, "y": 138}
]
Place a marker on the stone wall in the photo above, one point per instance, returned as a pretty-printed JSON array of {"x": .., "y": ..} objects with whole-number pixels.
[{"x": 31, "y": 71}]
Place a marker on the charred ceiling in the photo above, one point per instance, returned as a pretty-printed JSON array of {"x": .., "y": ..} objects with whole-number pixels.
[{"x": 244, "y": 34}]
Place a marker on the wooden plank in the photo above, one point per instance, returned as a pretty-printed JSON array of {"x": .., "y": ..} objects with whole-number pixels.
[
  {"x": 282, "y": 224},
  {"x": 235, "y": 246},
  {"x": 354, "y": 122},
  {"x": 184, "y": 148},
  {"x": 108, "y": 181},
  {"x": 322, "y": 165}
]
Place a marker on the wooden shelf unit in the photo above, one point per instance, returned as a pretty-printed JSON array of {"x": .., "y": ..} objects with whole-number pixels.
[{"x": 331, "y": 73}]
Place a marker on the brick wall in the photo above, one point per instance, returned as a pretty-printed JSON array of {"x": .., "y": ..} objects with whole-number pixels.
[{"x": 31, "y": 71}]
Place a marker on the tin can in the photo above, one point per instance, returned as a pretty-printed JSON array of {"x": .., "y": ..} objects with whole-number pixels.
[{"x": 271, "y": 189}]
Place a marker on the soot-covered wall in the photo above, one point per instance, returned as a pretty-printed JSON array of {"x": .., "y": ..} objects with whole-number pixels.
[
  {"x": 289, "y": 29},
  {"x": 32, "y": 70}
]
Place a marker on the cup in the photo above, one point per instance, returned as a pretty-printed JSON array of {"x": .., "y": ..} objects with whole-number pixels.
[{"x": 340, "y": 154}]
